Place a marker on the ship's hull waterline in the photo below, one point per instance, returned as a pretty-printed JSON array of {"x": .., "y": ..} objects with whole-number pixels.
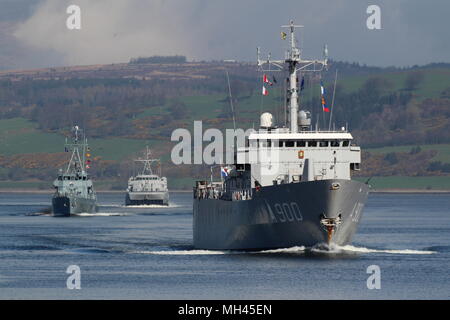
[
  {"x": 65, "y": 206},
  {"x": 147, "y": 198},
  {"x": 280, "y": 216}
]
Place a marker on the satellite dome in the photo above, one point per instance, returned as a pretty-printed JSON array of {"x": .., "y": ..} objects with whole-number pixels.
[
  {"x": 266, "y": 120},
  {"x": 304, "y": 118}
]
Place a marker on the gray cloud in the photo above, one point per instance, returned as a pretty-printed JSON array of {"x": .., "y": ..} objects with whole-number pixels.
[{"x": 413, "y": 32}]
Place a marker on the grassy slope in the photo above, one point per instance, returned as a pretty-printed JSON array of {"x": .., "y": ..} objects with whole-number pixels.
[
  {"x": 443, "y": 150},
  {"x": 435, "y": 81},
  {"x": 20, "y": 136}
]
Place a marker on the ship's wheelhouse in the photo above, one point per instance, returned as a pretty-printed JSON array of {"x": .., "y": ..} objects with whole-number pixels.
[{"x": 283, "y": 157}]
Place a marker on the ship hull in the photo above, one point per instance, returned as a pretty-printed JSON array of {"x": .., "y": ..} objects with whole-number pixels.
[
  {"x": 280, "y": 216},
  {"x": 147, "y": 198},
  {"x": 65, "y": 206}
]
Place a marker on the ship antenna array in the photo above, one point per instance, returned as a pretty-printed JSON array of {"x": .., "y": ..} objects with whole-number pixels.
[
  {"x": 293, "y": 64},
  {"x": 76, "y": 158},
  {"x": 147, "y": 162}
]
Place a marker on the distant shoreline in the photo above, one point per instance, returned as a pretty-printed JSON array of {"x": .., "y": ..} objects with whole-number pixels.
[{"x": 188, "y": 191}]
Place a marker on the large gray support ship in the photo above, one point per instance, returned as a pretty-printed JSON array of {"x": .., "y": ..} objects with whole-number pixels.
[
  {"x": 74, "y": 191},
  {"x": 289, "y": 185},
  {"x": 147, "y": 188}
]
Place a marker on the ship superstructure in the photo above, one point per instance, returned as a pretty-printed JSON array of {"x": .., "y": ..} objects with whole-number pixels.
[
  {"x": 74, "y": 190},
  {"x": 289, "y": 185},
  {"x": 147, "y": 187}
]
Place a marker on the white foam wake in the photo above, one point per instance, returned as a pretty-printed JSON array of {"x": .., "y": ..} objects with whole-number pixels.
[
  {"x": 219, "y": 252},
  {"x": 184, "y": 252},
  {"x": 154, "y": 206},
  {"x": 336, "y": 249},
  {"x": 392, "y": 251},
  {"x": 101, "y": 214},
  {"x": 284, "y": 250},
  {"x": 320, "y": 248}
]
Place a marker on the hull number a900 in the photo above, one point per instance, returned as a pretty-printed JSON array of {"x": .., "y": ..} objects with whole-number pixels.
[{"x": 285, "y": 212}]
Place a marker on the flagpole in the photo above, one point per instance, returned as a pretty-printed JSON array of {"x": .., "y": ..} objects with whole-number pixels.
[
  {"x": 321, "y": 114},
  {"x": 231, "y": 101},
  {"x": 332, "y": 102},
  {"x": 285, "y": 102}
]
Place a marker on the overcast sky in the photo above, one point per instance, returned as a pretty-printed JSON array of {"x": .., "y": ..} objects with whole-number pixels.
[{"x": 33, "y": 33}]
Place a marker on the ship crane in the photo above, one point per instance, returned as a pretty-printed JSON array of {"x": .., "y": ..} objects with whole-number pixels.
[{"x": 293, "y": 64}]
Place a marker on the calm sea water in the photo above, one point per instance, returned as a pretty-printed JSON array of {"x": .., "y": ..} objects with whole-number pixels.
[{"x": 147, "y": 253}]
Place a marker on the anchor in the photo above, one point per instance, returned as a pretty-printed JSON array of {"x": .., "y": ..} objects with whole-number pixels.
[{"x": 330, "y": 225}]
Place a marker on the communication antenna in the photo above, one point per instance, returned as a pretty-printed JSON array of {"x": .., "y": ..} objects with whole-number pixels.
[
  {"x": 147, "y": 161},
  {"x": 293, "y": 63}
]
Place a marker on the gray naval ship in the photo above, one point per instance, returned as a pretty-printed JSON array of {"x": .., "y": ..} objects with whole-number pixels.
[
  {"x": 147, "y": 188},
  {"x": 289, "y": 185},
  {"x": 74, "y": 191}
]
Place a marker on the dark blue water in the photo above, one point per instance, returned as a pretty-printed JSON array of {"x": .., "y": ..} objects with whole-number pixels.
[{"x": 146, "y": 253}]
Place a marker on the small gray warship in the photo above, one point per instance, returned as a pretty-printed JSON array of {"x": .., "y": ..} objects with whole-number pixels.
[
  {"x": 74, "y": 191},
  {"x": 147, "y": 188},
  {"x": 289, "y": 185}
]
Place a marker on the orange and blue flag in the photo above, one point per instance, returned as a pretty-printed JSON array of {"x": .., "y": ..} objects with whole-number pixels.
[{"x": 324, "y": 105}]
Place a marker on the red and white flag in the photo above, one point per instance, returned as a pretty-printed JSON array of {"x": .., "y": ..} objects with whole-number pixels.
[
  {"x": 264, "y": 91},
  {"x": 266, "y": 80}
]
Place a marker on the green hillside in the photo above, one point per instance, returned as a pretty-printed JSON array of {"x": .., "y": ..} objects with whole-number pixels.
[
  {"x": 434, "y": 82},
  {"x": 20, "y": 136},
  {"x": 389, "y": 111},
  {"x": 443, "y": 150}
]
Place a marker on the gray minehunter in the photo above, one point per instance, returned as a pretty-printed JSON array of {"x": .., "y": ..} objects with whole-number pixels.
[
  {"x": 288, "y": 186},
  {"x": 74, "y": 191},
  {"x": 147, "y": 188}
]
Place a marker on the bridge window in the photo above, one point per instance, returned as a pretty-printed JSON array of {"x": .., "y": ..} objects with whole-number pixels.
[
  {"x": 335, "y": 143},
  {"x": 301, "y": 143},
  {"x": 289, "y": 143},
  {"x": 355, "y": 166},
  {"x": 323, "y": 144},
  {"x": 345, "y": 143},
  {"x": 274, "y": 143},
  {"x": 312, "y": 143}
]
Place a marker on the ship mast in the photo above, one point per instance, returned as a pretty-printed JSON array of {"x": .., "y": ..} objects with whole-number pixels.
[
  {"x": 147, "y": 163},
  {"x": 77, "y": 160},
  {"x": 293, "y": 64}
]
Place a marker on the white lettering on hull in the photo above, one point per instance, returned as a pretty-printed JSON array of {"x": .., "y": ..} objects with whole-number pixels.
[{"x": 285, "y": 212}]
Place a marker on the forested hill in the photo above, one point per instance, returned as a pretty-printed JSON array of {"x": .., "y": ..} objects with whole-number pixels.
[{"x": 124, "y": 107}]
